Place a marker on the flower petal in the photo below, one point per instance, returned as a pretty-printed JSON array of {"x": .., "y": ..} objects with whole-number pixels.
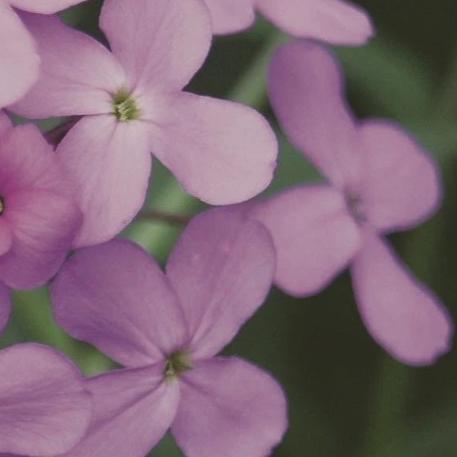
[
  {"x": 116, "y": 297},
  {"x": 18, "y": 57},
  {"x": 6, "y": 237},
  {"x": 44, "y": 226},
  {"x": 401, "y": 314},
  {"x": 221, "y": 152},
  {"x": 110, "y": 164},
  {"x": 43, "y": 6},
  {"x": 401, "y": 185},
  {"x": 44, "y": 407},
  {"x": 159, "y": 43},
  {"x": 306, "y": 91},
  {"x": 314, "y": 235},
  {"x": 78, "y": 74},
  {"x": 222, "y": 268},
  {"x": 231, "y": 408},
  {"x": 230, "y": 16},
  {"x": 5, "y": 124},
  {"x": 133, "y": 410},
  {"x": 5, "y": 306},
  {"x": 334, "y": 21}
]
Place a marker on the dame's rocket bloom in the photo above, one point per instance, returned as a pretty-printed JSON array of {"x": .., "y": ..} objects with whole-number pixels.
[
  {"x": 380, "y": 180},
  {"x": 45, "y": 408},
  {"x": 332, "y": 21},
  {"x": 132, "y": 102},
  {"x": 167, "y": 329},
  {"x": 38, "y": 219},
  {"x": 19, "y": 59}
]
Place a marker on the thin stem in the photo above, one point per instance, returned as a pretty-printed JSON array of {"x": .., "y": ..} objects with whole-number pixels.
[{"x": 163, "y": 216}]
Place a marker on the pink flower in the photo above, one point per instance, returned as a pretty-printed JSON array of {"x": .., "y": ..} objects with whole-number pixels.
[
  {"x": 45, "y": 408},
  {"x": 379, "y": 180},
  {"x": 38, "y": 220},
  {"x": 333, "y": 21},
  {"x": 132, "y": 102},
  {"x": 19, "y": 60},
  {"x": 167, "y": 329}
]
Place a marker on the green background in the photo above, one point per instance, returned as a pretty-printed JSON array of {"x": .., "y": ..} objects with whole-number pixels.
[{"x": 347, "y": 397}]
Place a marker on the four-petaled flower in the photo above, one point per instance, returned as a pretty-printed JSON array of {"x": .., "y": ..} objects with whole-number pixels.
[
  {"x": 380, "y": 180},
  {"x": 38, "y": 218},
  {"x": 133, "y": 103},
  {"x": 167, "y": 329},
  {"x": 332, "y": 21},
  {"x": 19, "y": 60}
]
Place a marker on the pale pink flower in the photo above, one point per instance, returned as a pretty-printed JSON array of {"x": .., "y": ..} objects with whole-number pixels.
[
  {"x": 333, "y": 21},
  {"x": 167, "y": 330},
  {"x": 379, "y": 180},
  {"x": 19, "y": 60},
  {"x": 133, "y": 103}
]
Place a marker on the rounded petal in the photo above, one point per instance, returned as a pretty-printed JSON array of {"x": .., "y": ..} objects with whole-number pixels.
[
  {"x": 314, "y": 235},
  {"x": 221, "y": 152},
  {"x": 78, "y": 73},
  {"x": 334, "y": 21},
  {"x": 401, "y": 314},
  {"x": 222, "y": 269},
  {"x": 44, "y": 407},
  {"x": 401, "y": 184},
  {"x": 231, "y": 408},
  {"x": 5, "y": 306},
  {"x": 18, "y": 57},
  {"x": 159, "y": 43},
  {"x": 6, "y": 236},
  {"x": 44, "y": 226},
  {"x": 115, "y": 297},
  {"x": 306, "y": 91},
  {"x": 133, "y": 410},
  {"x": 110, "y": 163},
  {"x": 43, "y": 6},
  {"x": 230, "y": 16}
]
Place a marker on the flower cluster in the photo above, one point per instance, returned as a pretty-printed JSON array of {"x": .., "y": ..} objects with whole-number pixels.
[{"x": 62, "y": 208}]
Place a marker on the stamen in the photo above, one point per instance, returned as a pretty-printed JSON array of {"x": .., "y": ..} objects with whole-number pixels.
[
  {"x": 124, "y": 106},
  {"x": 177, "y": 363},
  {"x": 356, "y": 208},
  {"x": 2, "y": 206}
]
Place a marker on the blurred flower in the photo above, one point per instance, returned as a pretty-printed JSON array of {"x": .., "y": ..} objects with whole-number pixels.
[
  {"x": 44, "y": 407},
  {"x": 19, "y": 60},
  {"x": 333, "y": 21},
  {"x": 133, "y": 102},
  {"x": 167, "y": 329},
  {"x": 380, "y": 180},
  {"x": 38, "y": 220}
]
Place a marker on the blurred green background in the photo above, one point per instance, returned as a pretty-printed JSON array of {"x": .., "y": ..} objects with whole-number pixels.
[{"x": 347, "y": 397}]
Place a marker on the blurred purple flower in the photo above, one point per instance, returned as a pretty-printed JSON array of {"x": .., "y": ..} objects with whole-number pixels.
[
  {"x": 333, "y": 21},
  {"x": 132, "y": 102},
  {"x": 38, "y": 220},
  {"x": 167, "y": 329},
  {"x": 45, "y": 408},
  {"x": 380, "y": 180},
  {"x": 19, "y": 60}
]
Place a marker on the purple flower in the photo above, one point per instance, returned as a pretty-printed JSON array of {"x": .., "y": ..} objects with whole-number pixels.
[
  {"x": 18, "y": 57},
  {"x": 45, "y": 408},
  {"x": 38, "y": 220},
  {"x": 379, "y": 180},
  {"x": 333, "y": 21},
  {"x": 167, "y": 329},
  {"x": 132, "y": 102}
]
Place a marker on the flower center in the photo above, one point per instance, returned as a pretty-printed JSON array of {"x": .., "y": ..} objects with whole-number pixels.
[
  {"x": 2, "y": 206},
  {"x": 355, "y": 207},
  {"x": 177, "y": 363},
  {"x": 124, "y": 106}
]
